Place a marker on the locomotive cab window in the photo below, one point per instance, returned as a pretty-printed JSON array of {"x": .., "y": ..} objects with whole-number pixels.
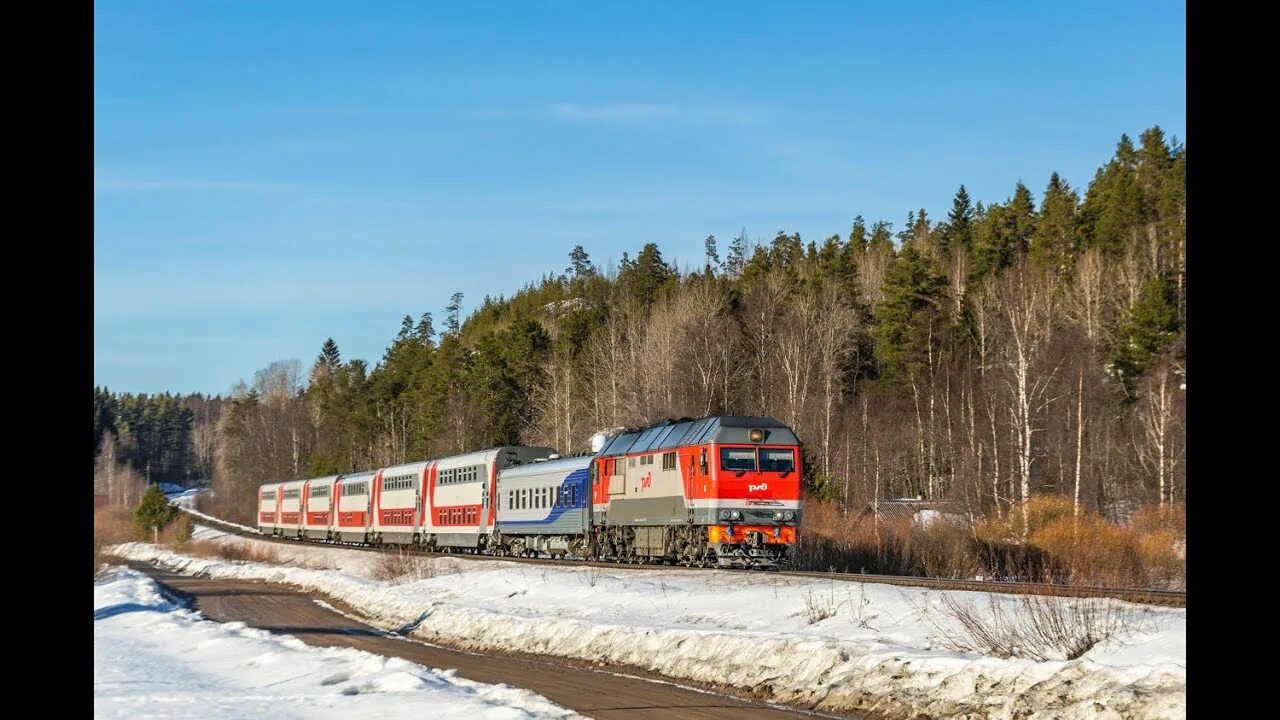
[
  {"x": 737, "y": 459},
  {"x": 777, "y": 460}
]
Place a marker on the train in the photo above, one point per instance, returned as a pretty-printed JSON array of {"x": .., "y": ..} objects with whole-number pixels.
[{"x": 721, "y": 491}]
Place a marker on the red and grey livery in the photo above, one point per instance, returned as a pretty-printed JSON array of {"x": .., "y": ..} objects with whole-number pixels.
[{"x": 721, "y": 491}]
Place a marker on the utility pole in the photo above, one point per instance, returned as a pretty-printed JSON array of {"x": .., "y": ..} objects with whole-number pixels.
[{"x": 148, "y": 472}]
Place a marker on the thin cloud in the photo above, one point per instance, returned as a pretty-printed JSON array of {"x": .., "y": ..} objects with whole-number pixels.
[
  {"x": 136, "y": 185},
  {"x": 641, "y": 112}
]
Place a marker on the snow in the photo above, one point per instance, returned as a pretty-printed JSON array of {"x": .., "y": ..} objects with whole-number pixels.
[
  {"x": 199, "y": 514},
  {"x": 875, "y": 652},
  {"x": 155, "y": 659}
]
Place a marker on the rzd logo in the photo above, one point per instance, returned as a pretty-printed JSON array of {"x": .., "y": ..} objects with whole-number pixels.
[
  {"x": 646, "y": 481},
  {"x": 761, "y": 486}
]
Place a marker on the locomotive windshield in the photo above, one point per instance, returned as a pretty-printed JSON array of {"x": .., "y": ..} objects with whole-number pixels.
[
  {"x": 737, "y": 459},
  {"x": 777, "y": 460}
]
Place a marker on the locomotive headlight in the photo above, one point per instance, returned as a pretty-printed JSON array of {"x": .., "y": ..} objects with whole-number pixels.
[
  {"x": 788, "y": 515},
  {"x": 724, "y": 514},
  {"x": 757, "y": 435},
  {"x": 778, "y": 515},
  {"x": 735, "y": 515}
]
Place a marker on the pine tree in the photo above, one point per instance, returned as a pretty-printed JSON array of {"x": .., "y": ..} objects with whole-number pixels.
[
  {"x": 579, "y": 264},
  {"x": 453, "y": 311},
  {"x": 713, "y": 257},
  {"x": 737, "y": 259},
  {"x": 425, "y": 332}
]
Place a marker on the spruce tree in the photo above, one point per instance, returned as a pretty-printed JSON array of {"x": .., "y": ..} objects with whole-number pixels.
[
  {"x": 1150, "y": 327},
  {"x": 911, "y": 313},
  {"x": 881, "y": 236},
  {"x": 959, "y": 227},
  {"x": 154, "y": 513},
  {"x": 1054, "y": 243},
  {"x": 329, "y": 355},
  {"x": 858, "y": 235}
]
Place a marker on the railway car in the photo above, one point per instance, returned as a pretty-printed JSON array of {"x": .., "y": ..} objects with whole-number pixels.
[
  {"x": 290, "y": 523},
  {"x": 353, "y": 507},
  {"x": 544, "y": 507},
  {"x": 398, "y": 498},
  {"x": 716, "y": 491},
  {"x": 317, "y": 508},
  {"x": 460, "y": 490},
  {"x": 269, "y": 508}
]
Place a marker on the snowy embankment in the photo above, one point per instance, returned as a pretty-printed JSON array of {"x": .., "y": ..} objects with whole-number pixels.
[
  {"x": 878, "y": 647},
  {"x": 199, "y": 514},
  {"x": 153, "y": 658}
]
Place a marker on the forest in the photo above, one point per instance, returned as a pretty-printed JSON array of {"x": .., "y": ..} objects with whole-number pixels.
[{"x": 1022, "y": 361}]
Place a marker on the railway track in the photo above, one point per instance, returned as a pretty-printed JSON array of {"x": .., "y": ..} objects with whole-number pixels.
[{"x": 1168, "y": 598}]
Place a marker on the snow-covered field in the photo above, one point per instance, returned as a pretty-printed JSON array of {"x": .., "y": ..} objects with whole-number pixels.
[
  {"x": 152, "y": 658},
  {"x": 876, "y": 652}
]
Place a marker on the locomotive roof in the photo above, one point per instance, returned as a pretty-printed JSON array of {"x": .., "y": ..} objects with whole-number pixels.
[{"x": 678, "y": 433}]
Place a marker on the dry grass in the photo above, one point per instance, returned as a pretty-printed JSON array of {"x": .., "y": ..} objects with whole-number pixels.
[
  {"x": 235, "y": 552},
  {"x": 1053, "y": 544},
  {"x": 112, "y": 525},
  {"x": 1035, "y": 627},
  {"x": 400, "y": 565},
  {"x": 819, "y": 606},
  {"x": 177, "y": 532}
]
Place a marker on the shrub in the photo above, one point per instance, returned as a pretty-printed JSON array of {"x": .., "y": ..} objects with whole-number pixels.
[{"x": 1036, "y": 627}]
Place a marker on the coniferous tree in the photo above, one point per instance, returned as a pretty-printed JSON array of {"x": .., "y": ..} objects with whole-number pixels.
[
  {"x": 425, "y": 332},
  {"x": 858, "y": 235},
  {"x": 154, "y": 514},
  {"x": 1151, "y": 325},
  {"x": 453, "y": 311},
  {"x": 330, "y": 356},
  {"x": 1053, "y": 244},
  {"x": 959, "y": 227},
  {"x": 737, "y": 255},
  {"x": 579, "y": 264},
  {"x": 713, "y": 257},
  {"x": 909, "y": 316}
]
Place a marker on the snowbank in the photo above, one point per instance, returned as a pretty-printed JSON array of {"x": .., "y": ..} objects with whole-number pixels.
[
  {"x": 874, "y": 652},
  {"x": 153, "y": 658}
]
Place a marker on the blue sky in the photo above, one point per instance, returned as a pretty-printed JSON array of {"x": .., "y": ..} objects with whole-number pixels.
[{"x": 267, "y": 175}]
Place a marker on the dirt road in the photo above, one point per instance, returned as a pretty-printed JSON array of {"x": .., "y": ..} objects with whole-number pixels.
[{"x": 596, "y": 692}]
